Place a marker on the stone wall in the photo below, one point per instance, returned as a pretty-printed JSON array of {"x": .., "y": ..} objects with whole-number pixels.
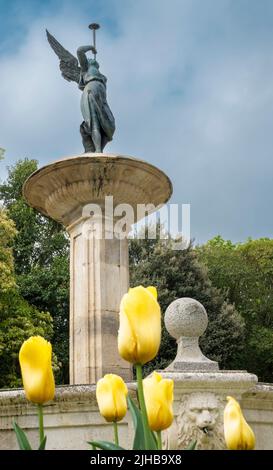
[
  {"x": 258, "y": 409},
  {"x": 73, "y": 418},
  {"x": 70, "y": 421}
]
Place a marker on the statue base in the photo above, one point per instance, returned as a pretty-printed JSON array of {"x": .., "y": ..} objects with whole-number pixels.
[{"x": 88, "y": 195}]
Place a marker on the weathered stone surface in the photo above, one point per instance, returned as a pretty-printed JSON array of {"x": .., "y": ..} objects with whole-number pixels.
[
  {"x": 60, "y": 190},
  {"x": 186, "y": 320},
  {"x": 73, "y": 418},
  {"x": 97, "y": 283},
  {"x": 199, "y": 401},
  {"x": 222, "y": 382},
  {"x": 186, "y": 317},
  {"x": 200, "y": 419},
  {"x": 70, "y": 421},
  {"x": 257, "y": 404}
]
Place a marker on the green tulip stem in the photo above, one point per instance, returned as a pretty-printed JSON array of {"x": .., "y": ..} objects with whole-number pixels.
[
  {"x": 159, "y": 440},
  {"x": 115, "y": 424},
  {"x": 41, "y": 422},
  {"x": 142, "y": 404}
]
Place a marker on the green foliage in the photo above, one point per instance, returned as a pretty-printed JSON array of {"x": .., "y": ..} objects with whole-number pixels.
[
  {"x": 48, "y": 288},
  {"x": 139, "y": 442},
  {"x": 41, "y": 250},
  {"x": 21, "y": 437},
  {"x": 42, "y": 445},
  {"x": 7, "y": 234},
  {"x": 244, "y": 273},
  {"x": 39, "y": 240},
  {"x": 18, "y": 319},
  {"x": 105, "y": 445},
  {"x": 180, "y": 274}
]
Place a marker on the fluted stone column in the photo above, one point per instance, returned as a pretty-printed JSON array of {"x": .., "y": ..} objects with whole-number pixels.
[{"x": 99, "y": 274}]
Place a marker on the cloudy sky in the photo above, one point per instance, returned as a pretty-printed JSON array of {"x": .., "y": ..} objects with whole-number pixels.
[{"x": 190, "y": 83}]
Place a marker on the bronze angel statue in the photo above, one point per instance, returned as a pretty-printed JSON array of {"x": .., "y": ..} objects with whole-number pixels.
[{"x": 98, "y": 125}]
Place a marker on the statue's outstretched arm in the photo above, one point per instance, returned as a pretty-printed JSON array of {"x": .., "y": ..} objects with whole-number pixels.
[{"x": 82, "y": 56}]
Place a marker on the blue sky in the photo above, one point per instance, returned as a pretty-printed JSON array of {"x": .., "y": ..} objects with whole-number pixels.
[{"x": 190, "y": 83}]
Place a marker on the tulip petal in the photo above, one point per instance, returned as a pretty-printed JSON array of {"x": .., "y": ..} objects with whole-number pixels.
[
  {"x": 35, "y": 360},
  {"x": 153, "y": 291},
  {"x": 238, "y": 434},
  {"x": 111, "y": 393},
  {"x": 119, "y": 391},
  {"x": 140, "y": 325},
  {"x": 127, "y": 343},
  {"x": 105, "y": 400},
  {"x": 248, "y": 436},
  {"x": 168, "y": 389},
  {"x": 156, "y": 377},
  {"x": 158, "y": 395},
  {"x": 232, "y": 428}
]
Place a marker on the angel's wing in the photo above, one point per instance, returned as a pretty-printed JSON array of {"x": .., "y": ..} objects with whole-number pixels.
[{"x": 69, "y": 65}]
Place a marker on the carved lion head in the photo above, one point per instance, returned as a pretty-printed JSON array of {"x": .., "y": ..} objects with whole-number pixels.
[{"x": 200, "y": 418}]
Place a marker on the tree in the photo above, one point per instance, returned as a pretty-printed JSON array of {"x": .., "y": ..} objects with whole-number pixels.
[
  {"x": 244, "y": 273},
  {"x": 7, "y": 234},
  {"x": 39, "y": 239},
  {"x": 179, "y": 274},
  {"x": 41, "y": 252},
  {"x": 18, "y": 319}
]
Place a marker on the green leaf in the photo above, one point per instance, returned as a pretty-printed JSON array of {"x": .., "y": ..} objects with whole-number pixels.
[
  {"x": 191, "y": 446},
  {"x": 152, "y": 442},
  {"x": 104, "y": 445},
  {"x": 21, "y": 437},
  {"x": 43, "y": 444},
  {"x": 139, "y": 442},
  {"x": 154, "y": 438}
]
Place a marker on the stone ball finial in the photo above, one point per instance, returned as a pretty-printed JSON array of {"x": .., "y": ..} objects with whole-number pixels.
[
  {"x": 186, "y": 320},
  {"x": 186, "y": 317}
]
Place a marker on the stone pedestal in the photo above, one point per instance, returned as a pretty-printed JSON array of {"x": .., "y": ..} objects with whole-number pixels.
[
  {"x": 186, "y": 320},
  {"x": 200, "y": 388},
  {"x": 85, "y": 194}
]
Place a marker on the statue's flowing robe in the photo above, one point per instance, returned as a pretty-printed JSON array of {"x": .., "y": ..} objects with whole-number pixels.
[{"x": 95, "y": 110}]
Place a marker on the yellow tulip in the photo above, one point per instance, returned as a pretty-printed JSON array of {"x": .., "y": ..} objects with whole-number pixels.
[
  {"x": 111, "y": 395},
  {"x": 238, "y": 434},
  {"x": 35, "y": 360},
  {"x": 158, "y": 394},
  {"x": 140, "y": 325}
]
